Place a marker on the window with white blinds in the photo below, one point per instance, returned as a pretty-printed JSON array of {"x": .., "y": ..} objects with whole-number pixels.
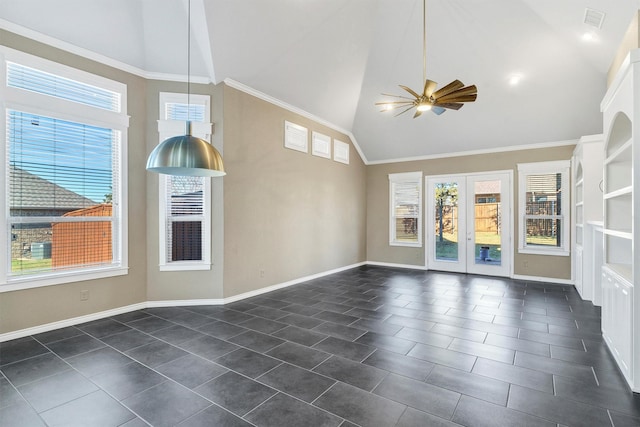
[
  {"x": 405, "y": 213},
  {"x": 185, "y": 201},
  {"x": 64, "y": 215},
  {"x": 544, "y": 208}
]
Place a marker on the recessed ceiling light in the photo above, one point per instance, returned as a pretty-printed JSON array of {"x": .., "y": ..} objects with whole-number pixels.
[
  {"x": 589, "y": 36},
  {"x": 514, "y": 79}
]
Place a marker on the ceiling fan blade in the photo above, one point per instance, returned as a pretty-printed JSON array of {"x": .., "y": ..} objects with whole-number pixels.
[
  {"x": 451, "y": 87},
  {"x": 404, "y": 111},
  {"x": 429, "y": 87},
  {"x": 411, "y": 91},
  {"x": 417, "y": 114},
  {"x": 468, "y": 90},
  {"x": 437, "y": 110},
  {"x": 456, "y": 98}
]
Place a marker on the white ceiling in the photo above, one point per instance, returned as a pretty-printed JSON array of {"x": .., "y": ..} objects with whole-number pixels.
[{"x": 333, "y": 58}]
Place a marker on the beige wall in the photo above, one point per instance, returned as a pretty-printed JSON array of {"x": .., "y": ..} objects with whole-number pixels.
[
  {"x": 32, "y": 307},
  {"x": 378, "y": 248},
  {"x": 287, "y": 214},
  {"x": 182, "y": 285},
  {"x": 630, "y": 41}
]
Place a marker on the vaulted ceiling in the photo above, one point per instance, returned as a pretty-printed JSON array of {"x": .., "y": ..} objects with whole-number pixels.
[{"x": 334, "y": 58}]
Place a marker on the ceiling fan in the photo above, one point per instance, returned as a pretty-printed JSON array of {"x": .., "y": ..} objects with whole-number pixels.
[{"x": 452, "y": 96}]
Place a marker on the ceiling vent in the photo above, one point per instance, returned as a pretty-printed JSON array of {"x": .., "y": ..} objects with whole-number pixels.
[{"x": 593, "y": 18}]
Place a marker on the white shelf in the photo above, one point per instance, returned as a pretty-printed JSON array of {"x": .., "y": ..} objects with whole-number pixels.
[
  {"x": 616, "y": 155},
  {"x": 618, "y": 233},
  {"x": 619, "y": 192}
]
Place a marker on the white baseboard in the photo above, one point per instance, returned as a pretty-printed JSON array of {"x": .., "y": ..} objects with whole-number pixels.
[
  {"x": 170, "y": 303},
  {"x": 543, "y": 279},
  {"x": 184, "y": 302},
  {"x": 261, "y": 291},
  {"x": 393, "y": 265},
  {"x": 70, "y": 322}
]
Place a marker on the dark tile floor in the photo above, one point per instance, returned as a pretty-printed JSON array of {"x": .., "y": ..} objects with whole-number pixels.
[{"x": 370, "y": 346}]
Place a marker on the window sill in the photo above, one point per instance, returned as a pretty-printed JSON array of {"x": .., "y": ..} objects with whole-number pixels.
[
  {"x": 406, "y": 244},
  {"x": 33, "y": 281},
  {"x": 185, "y": 266},
  {"x": 552, "y": 252}
]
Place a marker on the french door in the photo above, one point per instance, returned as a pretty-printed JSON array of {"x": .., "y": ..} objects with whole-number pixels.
[{"x": 469, "y": 223}]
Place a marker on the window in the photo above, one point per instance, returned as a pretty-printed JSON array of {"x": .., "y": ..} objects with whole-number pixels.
[
  {"x": 64, "y": 204},
  {"x": 405, "y": 201},
  {"x": 544, "y": 208},
  {"x": 185, "y": 201}
]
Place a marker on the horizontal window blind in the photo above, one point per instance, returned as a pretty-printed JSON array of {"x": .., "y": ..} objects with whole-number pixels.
[
  {"x": 406, "y": 210},
  {"x": 183, "y": 112},
  {"x": 406, "y": 199},
  {"x": 61, "y": 180},
  {"x": 185, "y": 214},
  {"x": 27, "y": 78}
]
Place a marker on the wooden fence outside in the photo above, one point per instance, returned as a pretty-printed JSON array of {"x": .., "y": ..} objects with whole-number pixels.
[{"x": 488, "y": 218}]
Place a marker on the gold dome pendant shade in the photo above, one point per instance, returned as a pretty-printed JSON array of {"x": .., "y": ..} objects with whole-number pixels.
[
  {"x": 186, "y": 155},
  {"x": 450, "y": 97}
]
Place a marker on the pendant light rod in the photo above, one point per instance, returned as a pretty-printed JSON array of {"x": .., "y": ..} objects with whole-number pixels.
[
  {"x": 424, "y": 40},
  {"x": 189, "y": 64}
]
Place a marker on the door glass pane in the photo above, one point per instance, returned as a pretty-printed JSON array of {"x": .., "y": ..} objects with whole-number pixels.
[
  {"x": 446, "y": 221},
  {"x": 487, "y": 222}
]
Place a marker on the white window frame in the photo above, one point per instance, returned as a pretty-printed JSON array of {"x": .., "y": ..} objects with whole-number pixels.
[
  {"x": 45, "y": 105},
  {"x": 167, "y": 129},
  {"x": 540, "y": 168},
  {"x": 394, "y": 178}
]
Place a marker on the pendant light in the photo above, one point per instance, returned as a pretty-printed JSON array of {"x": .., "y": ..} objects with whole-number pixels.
[{"x": 186, "y": 155}]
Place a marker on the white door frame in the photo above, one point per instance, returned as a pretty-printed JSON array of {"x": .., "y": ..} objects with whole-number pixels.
[{"x": 508, "y": 211}]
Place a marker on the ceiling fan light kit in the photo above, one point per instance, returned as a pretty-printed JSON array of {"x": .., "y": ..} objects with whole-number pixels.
[{"x": 452, "y": 96}]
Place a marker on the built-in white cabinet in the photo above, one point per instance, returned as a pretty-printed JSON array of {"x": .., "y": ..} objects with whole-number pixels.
[
  {"x": 593, "y": 256},
  {"x": 620, "y": 328},
  {"x": 587, "y": 166},
  {"x": 617, "y": 294}
]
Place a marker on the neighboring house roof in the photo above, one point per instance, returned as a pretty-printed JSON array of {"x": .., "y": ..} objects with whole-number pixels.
[{"x": 29, "y": 191}]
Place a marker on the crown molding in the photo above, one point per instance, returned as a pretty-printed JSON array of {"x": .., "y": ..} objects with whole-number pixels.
[
  {"x": 93, "y": 56},
  {"x": 478, "y": 152}
]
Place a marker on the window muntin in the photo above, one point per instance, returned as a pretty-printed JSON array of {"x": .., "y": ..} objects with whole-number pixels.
[
  {"x": 64, "y": 205},
  {"x": 405, "y": 200},
  {"x": 544, "y": 208},
  {"x": 185, "y": 201}
]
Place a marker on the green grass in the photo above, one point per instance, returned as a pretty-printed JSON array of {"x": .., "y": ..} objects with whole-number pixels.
[
  {"x": 19, "y": 266},
  {"x": 542, "y": 240},
  {"x": 448, "y": 249}
]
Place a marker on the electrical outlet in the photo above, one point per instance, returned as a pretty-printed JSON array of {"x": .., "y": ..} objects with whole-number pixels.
[
  {"x": 84, "y": 295},
  {"x": 525, "y": 264},
  {"x": 261, "y": 273}
]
